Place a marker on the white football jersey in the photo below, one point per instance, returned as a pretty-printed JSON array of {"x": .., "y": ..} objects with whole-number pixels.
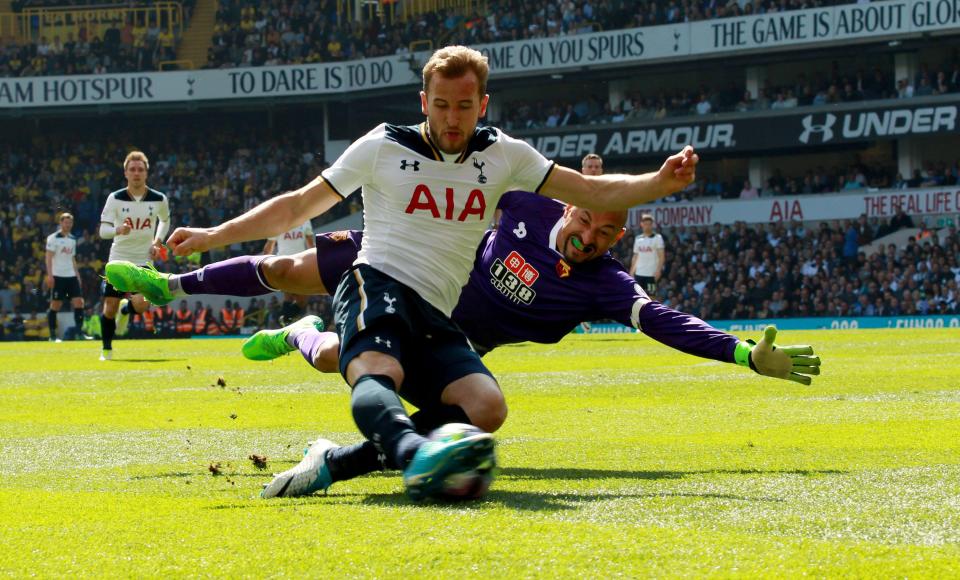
[
  {"x": 64, "y": 248},
  {"x": 294, "y": 241},
  {"x": 424, "y": 216},
  {"x": 646, "y": 249},
  {"x": 143, "y": 217}
]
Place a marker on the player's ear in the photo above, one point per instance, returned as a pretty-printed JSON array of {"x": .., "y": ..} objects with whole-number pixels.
[
  {"x": 620, "y": 235},
  {"x": 423, "y": 102},
  {"x": 483, "y": 105}
]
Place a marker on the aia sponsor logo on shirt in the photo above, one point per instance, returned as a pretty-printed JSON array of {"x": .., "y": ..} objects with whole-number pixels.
[
  {"x": 514, "y": 278},
  {"x": 139, "y": 223},
  {"x": 297, "y": 235},
  {"x": 423, "y": 200}
]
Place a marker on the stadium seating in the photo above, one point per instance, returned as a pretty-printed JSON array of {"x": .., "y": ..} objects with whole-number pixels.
[
  {"x": 273, "y": 33},
  {"x": 760, "y": 272}
]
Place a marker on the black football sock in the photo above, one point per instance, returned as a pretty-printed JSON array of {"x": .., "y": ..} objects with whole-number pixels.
[
  {"x": 426, "y": 420},
  {"x": 352, "y": 461},
  {"x": 127, "y": 307},
  {"x": 78, "y": 318},
  {"x": 381, "y": 418},
  {"x": 52, "y": 322},
  {"x": 108, "y": 327}
]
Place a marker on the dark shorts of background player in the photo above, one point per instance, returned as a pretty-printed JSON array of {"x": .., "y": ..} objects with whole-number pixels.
[
  {"x": 375, "y": 312},
  {"x": 648, "y": 283},
  {"x": 65, "y": 288},
  {"x": 108, "y": 291}
]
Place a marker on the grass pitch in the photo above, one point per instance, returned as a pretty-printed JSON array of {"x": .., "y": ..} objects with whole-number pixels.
[{"x": 620, "y": 457}]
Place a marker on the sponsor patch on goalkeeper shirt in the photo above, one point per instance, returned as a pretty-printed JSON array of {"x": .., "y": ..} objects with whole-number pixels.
[{"x": 514, "y": 278}]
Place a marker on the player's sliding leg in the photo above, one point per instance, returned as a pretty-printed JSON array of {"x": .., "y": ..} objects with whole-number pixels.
[
  {"x": 325, "y": 463},
  {"x": 240, "y": 276},
  {"x": 320, "y": 349},
  {"x": 305, "y": 334}
]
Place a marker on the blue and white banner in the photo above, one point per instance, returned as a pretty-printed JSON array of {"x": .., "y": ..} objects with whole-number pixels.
[{"x": 812, "y": 323}]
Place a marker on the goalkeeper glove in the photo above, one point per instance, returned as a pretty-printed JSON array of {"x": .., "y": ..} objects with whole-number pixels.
[{"x": 793, "y": 363}]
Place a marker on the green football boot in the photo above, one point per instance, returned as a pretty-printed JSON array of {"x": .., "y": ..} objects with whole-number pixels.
[
  {"x": 128, "y": 277},
  {"x": 434, "y": 461},
  {"x": 271, "y": 344}
]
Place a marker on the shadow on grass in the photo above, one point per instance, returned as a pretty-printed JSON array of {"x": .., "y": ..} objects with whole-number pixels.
[
  {"x": 146, "y": 360},
  {"x": 536, "y": 500},
  {"x": 518, "y": 500},
  {"x": 576, "y": 474}
]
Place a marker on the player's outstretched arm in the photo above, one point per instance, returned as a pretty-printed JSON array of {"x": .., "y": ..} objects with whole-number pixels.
[
  {"x": 689, "y": 334},
  {"x": 619, "y": 192},
  {"x": 270, "y": 218},
  {"x": 794, "y": 363}
]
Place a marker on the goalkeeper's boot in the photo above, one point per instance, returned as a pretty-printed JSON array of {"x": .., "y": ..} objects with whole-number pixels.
[
  {"x": 270, "y": 344},
  {"x": 306, "y": 477},
  {"x": 128, "y": 277},
  {"x": 434, "y": 461},
  {"x": 123, "y": 319}
]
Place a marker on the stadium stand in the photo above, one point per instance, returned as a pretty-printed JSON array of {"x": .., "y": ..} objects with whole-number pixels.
[
  {"x": 795, "y": 270},
  {"x": 207, "y": 177},
  {"x": 304, "y": 31},
  {"x": 814, "y": 89}
]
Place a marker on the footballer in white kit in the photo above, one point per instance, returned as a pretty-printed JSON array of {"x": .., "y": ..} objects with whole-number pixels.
[
  {"x": 290, "y": 243},
  {"x": 62, "y": 278},
  {"x": 648, "y": 256},
  {"x": 136, "y": 218},
  {"x": 429, "y": 193}
]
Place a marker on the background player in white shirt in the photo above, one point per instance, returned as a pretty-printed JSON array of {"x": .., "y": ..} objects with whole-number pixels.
[
  {"x": 648, "y": 256},
  {"x": 62, "y": 278},
  {"x": 136, "y": 218},
  {"x": 429, "y": 192},
  {"x": 292, "y": 242}
]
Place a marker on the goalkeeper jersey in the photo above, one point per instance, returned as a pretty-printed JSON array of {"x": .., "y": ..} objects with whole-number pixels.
[{"x": 520, "y": 288}]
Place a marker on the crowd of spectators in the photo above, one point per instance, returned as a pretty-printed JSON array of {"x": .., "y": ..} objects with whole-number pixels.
[
  {"x": 250, "y": 34},
  {"x": 855, "y": 177},
  {"x": 788, "y": 270},
  {"x": 300, "y": 31},
  {"x": 138, "y": 43},
  {"x": 822, "y": 88},
  {"x": 208, "y": 180}
]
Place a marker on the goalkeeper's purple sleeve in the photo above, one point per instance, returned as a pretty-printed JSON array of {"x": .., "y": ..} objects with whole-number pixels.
[{"x": 686, "y": 333}]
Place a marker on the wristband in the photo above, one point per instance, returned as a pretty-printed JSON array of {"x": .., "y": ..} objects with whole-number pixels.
[{"x": 741, "y": 354}]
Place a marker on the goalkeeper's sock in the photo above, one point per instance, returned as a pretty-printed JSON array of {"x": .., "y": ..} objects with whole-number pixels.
[
  {"x": 78, "y": 318},
  {"x": 426, "y": 420},
  {"x": 52, "y": 322},
  {"x": 309, "y": 340},
  {"x": 352, "y": 461},
  {"x": 381, "y": 418},
  {"x": 240, "y": 276}
]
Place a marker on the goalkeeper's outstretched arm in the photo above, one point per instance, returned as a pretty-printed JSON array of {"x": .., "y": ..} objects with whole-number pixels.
[{"x": 691, "y": 335}]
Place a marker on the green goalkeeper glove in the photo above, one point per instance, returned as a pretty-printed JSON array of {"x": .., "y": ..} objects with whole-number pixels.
[{"x": 793, "y": 363}]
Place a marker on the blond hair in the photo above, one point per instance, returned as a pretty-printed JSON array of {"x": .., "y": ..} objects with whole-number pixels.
[
  {"x": 136, "y": 156},
  {"x": 591, "y": 156},
  {"x": 64, "y": 216},
  {"x": 452, "y": 62}
]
